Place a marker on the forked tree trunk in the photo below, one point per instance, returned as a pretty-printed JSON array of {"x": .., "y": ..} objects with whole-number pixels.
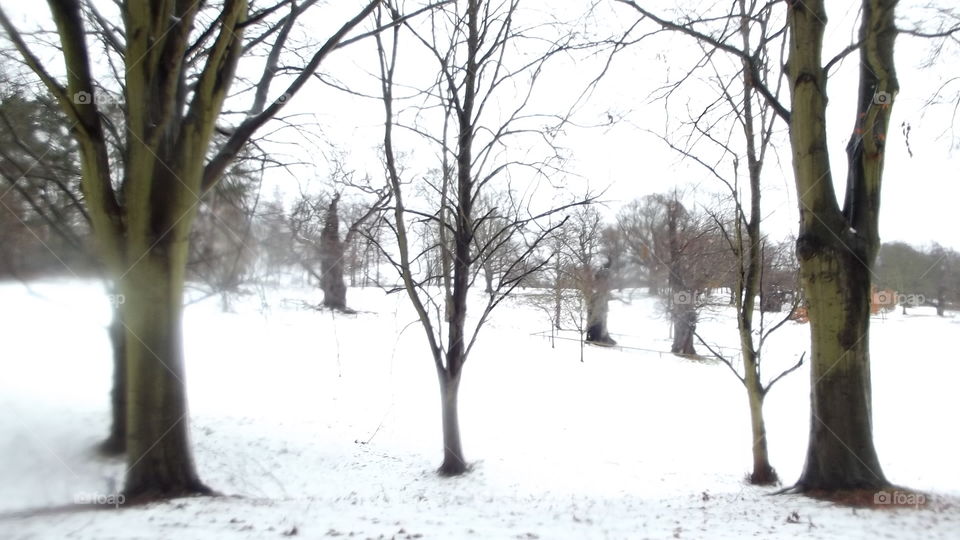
[
  {"x": 836, "y": 249},
  {"x": 116, "y": 441},
  {"x": 161, "y": 462},
  {"x": 453, "y": 462}
]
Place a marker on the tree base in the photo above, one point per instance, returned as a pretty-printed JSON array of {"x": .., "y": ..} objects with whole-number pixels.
[
  {"x": 339, "y": 308},
  {"x": 886, "y": 497},
  {"x": 766, "y": 476},
  {"x": 147, "y": 494},
  {"x": 604, "y": 341},
  {"x": 451, "y": 468}
]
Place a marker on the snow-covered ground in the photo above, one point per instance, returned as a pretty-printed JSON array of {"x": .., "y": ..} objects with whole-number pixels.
[{"x": 315, "y": 425}]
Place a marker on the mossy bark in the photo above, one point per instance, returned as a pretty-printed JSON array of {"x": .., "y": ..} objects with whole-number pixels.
[
  {"x": 158, "y": 443},
  {"x": 837, "y": 248},
  {"x": 841, "y": 453}
]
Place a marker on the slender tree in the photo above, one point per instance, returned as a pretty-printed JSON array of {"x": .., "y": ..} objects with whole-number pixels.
[{"x": 473, "y": 44}]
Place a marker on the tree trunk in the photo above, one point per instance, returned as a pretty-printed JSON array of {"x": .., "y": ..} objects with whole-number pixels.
[
  {"x": 453, "y": 462},
  {"x": 841, "y": 454},
  {"x": 763, "y": 473},
  {"x": 331, "y": 260},
  {"x": 684, "y": 326},
  {"x": 158, "y": 447},
  {"x": 557, "y": 306},
  {"x": 836, "y": 249},
  {"x": 598, "y": 307},
  {"x": 116, "y": 441},
  {"x": 488, "y": 278}
]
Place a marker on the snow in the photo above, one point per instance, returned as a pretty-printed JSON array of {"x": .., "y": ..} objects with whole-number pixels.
[{"x": 315, "y": 425}]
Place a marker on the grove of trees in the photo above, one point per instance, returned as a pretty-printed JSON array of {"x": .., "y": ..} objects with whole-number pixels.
[{"x": 138, "y": 157}]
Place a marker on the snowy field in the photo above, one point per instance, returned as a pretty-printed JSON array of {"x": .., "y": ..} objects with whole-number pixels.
[{"x": 320, "y": 426}]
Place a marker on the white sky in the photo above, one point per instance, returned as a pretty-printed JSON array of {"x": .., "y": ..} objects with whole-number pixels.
[{"x": 920, "y": 193}]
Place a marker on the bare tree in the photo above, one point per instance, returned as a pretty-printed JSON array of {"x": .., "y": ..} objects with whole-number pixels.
[
  {"x": 176, "y": 62},
  {"x": 837, "y": 245},
  {"x": 315, "y": 223},
  {"x": 677, "y": 248},
  {"x": 745, "y": 262},
  {"x": 473, "y": 46}
]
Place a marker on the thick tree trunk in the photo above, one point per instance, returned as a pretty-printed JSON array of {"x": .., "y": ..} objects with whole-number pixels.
[
  {"x": 453, "y": 462},
  {"x": 332, "y": 284},
  {"x": 684, "y": 326},
  {"x": 597, "y": 310},
  {"x": 331, "y": 260},
  {"x": 158, "y": 447},
  {"x": 116, "y": 441},
  {"x": 836, "y": 249},
  {"x": 841, "y": 454},
  {"x": 488, "y": 278}
]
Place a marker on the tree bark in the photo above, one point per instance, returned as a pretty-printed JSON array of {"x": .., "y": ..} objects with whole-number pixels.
[
  {"x": 331, "y": 260},
  {"x": 488, "y": 278},
  {"x": 453, "y": 462},
  {"x": 116, "y": 441},
  {"x": 840, "y": 454},
  {"x": 157, "y": 423},
  {"x": 598, "y": 307},
  {"x": 763, "y": 473},
  {"x": 837, "y": 249},
  {"x": 684, "y": 326}
]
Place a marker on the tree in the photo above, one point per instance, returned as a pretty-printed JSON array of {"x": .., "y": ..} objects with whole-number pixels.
[
  {"x": 50, "y": 229},
  {"x": 315, "y": 224},
  {"x": 746, "y": 261},
  {"x": 641, "y": 226},
  {"x": 177, "y": 60},
  {"x": 836, "y": 246},
  {"x": 588, "y": 271},
  {"x": 222, "y": 257},
  {"x": 678, "y": 249},
  {"x": 473, "y": 46}
]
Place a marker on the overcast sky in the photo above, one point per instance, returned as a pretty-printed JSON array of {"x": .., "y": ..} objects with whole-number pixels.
[{"x": 920, "y": 192}]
